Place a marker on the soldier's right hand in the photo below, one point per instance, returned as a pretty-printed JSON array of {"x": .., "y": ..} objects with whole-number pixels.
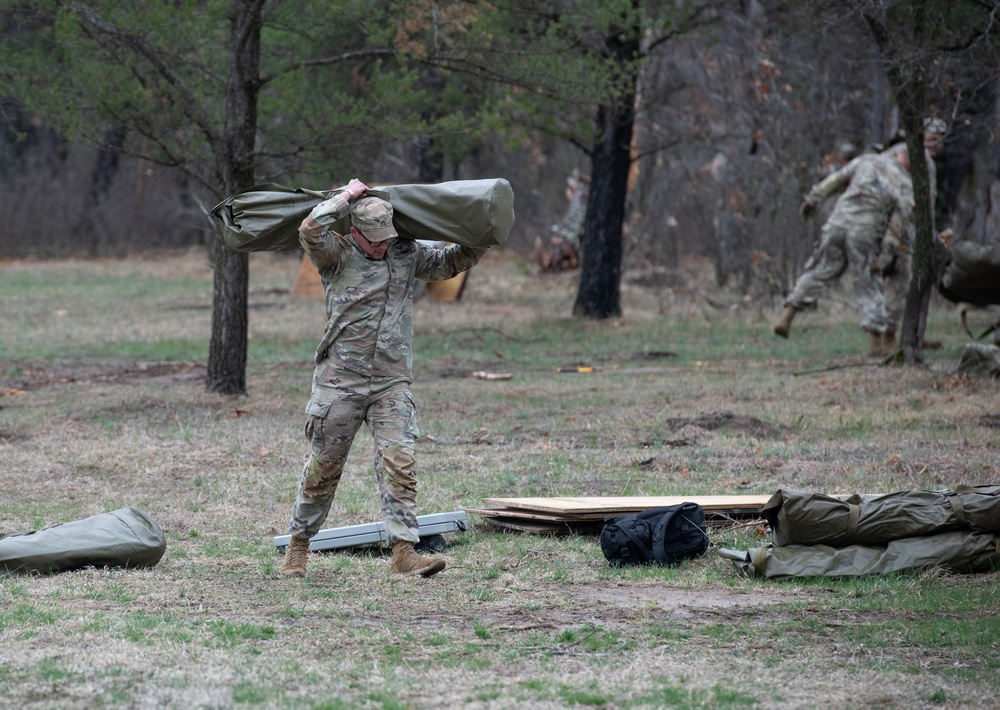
[{"x": 807, "y": 208}]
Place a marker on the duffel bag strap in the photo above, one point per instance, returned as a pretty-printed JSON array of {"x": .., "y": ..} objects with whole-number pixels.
[
  {"x": 638, "y": 543},
  {"x": 958, "y": 508}
]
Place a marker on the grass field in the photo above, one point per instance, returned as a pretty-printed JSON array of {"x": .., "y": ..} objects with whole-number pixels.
[{"x": 104, "y": 406}]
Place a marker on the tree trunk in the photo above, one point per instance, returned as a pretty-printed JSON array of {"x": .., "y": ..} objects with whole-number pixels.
[
  {"x": 922, "y": 281},
  {"x": 599, "y": 292},
  {"x": 909, "y": 87},
  {"x": 227, "y": 353}
]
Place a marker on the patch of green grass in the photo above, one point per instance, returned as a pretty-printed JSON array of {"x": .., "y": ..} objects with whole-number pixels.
[
  {"x": 668, "y": 634},
  {"x": 163, "y": 349},
  {"x": 386, "y": 701},
  {"x": 232, "y": 634},
  {"x": 481, "y": 630},
  {"x": 12, "y": 589},
  {"x": 938, "y": 697},
  {"x": 438, "y": 639},
  {"x": 488, "y": 695},
  {"x": 24, "y": 615},
  {"x": 51, "y": 670},
  {"x": 247, "y": 693},
  {"x": 484, "y": 593},
  {"x": 596, "y": 639},
  {"x": 335, "y": 704},
  {"x": 677, "y": 697},
  {"x": 393, "y": 654},
  {"x": 590, "y": 694},
  {"x": 140, "y": 628}
]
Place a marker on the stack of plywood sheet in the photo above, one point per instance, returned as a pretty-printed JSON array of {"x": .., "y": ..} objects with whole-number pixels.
[{"x": 553, "y": 516}]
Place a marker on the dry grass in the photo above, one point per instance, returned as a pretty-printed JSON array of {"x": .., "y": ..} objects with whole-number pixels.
[{"x": 110, "y": 357}]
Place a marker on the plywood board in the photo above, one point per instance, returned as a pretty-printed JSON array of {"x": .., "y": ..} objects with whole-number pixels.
[
  {"x": 526, "y": 527},
  {"x": 528, "y": 514},
  {"x": 529, "y": 524},
  {"x": 624, "y": 504}
]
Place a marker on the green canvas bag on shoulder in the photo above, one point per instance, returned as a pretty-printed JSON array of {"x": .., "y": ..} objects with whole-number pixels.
[{"x": 474, "y": 213}]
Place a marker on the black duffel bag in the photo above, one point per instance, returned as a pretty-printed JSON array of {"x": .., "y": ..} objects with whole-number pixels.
[{"x": 658, "y": 536}]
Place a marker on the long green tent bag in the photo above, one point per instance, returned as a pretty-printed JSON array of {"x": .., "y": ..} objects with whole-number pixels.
[
  {"x": 960, "y": 551},
  {"x": 122, "y": 538},
  {"x": 815, "y": 534},
  {"x": 475, "y": 213},
  {"x": 801, "y": 518}
]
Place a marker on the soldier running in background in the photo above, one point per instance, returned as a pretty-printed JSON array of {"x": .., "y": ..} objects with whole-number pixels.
[
  {"x": 882, "y": 266},
  {"x": 874, "y": 189},
  {"x": 562, "y": 253}
]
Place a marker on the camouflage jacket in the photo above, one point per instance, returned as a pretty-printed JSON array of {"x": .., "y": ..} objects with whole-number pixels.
[
  {"x": 874, "y": 183},
  {"x": 369, "y": 302}
]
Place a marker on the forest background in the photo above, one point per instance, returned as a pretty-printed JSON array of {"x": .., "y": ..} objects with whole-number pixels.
[{"x": 700, "y": 124}]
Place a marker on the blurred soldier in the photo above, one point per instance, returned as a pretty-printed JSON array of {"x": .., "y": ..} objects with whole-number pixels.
[
  {"x": 562, "y": 253},
  {"x": 364, "y": 367},
  {"x": 891, "y": 265},
  {"x": 875, "y": 188}
]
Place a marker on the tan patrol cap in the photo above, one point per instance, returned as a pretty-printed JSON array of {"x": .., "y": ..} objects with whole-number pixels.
[{"x": 372, "y": 217}]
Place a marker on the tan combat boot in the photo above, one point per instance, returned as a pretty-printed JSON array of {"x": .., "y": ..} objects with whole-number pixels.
[
  {"x": 295, "y": 557},
  {"x": 406, "y": 560},
  {"x": 784, "y": 323}
]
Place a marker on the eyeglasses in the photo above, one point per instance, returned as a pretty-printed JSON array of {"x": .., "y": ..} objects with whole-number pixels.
[{"x": 387, "y": 242}]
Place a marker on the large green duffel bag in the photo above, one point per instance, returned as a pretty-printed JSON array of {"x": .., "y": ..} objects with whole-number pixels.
[
  {"x": 122, "y": 538},
  {"x": 801, "y": 518},
  {"x": 475, "y": 213},
  {"x": 961, "y": 551}
]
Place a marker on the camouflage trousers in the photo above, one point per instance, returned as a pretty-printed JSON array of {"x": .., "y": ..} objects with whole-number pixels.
[
  {"x": 895, "y": 285},
  {"x": 840, "y": 247},
  {"x": 340, "y": 403}
]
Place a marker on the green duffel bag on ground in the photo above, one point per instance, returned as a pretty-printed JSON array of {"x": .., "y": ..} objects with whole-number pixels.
[
  {"x": 475, "y": 213},
  {"x": 801, "y": 518},
  {"x": 126, "y": 537},
  {"x": 961, "y": 551}
]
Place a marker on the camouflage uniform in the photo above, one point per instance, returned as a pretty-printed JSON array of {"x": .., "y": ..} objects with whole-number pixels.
[
  {"x": 876, "y": 189},
  {"x": 571, "y": 226},
  {"x": 364, "y": 369}
]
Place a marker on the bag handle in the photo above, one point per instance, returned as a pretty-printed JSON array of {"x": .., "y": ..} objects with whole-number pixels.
[{"x": 958, "y": 508}]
